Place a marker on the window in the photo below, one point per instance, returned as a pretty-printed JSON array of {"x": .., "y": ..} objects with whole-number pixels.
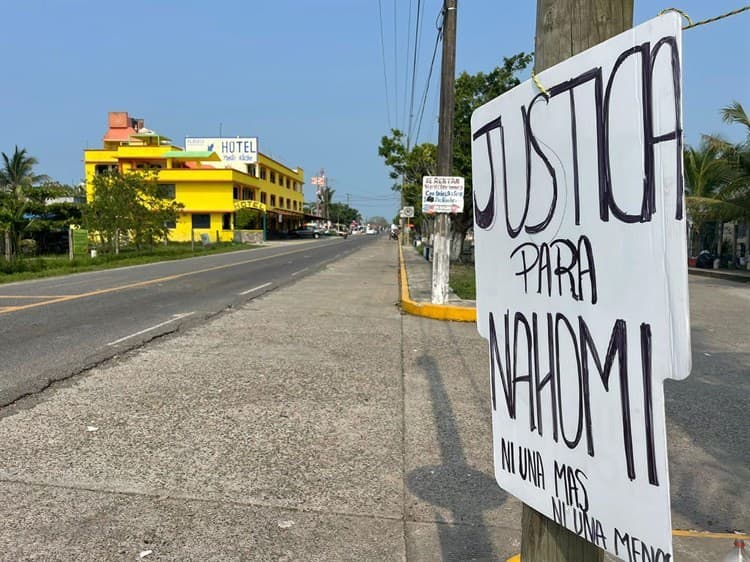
[
  {"x": 281, "y": 202},
  {"x": 288, "y": 203},
  {"x": 202, "y": 221},
  {"x": 262, "y": 173},
  {"x": 263, "y": 197},
  {"x": 251, "y": 169},
  {"x": 226, "y": 221},
  {"x": 105, "y": 169},
  {"x": 273, "y": 177},
  {"x": 273, "y": 200},
  {"x": 165, "y": 191},
  {"x": 170, "y": 224}
]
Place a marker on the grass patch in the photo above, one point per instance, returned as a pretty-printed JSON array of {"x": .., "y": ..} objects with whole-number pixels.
[
  {"x": 25, "y": 268},
  {"x": 462, "y": 281}
]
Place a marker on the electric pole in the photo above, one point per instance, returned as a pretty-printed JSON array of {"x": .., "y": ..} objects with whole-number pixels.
[
  {"x": 441, "y": 244},
  {"x": 563, "y": 29}
]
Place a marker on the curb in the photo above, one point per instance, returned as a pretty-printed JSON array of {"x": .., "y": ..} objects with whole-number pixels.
[
  {"x": 737, "y": 277},
  {"x": 429, "y": 310}
]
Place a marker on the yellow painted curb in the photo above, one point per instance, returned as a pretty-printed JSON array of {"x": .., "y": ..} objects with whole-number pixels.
[{"x": 429, "y": 310}]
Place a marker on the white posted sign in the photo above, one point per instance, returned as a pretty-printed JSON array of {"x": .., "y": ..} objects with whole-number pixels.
[
  {"x": 442, "y": 194},
  {"x": 582, "y": 285},
  {"x": 238, "y": 152}
]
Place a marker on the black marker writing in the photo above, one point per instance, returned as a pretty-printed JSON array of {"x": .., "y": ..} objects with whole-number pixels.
[
  {"x": 522, "y": 345},
  {"x": 603, "y": 149}
]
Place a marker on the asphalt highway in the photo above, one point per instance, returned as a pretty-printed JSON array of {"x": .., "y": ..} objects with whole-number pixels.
[{"x": 51, "y": 329}]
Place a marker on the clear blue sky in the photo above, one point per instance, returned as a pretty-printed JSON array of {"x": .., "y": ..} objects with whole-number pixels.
[{"x": 306, "y": 77}]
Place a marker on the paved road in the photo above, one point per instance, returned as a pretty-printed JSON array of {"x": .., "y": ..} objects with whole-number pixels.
[
  {"x": 53, "y": 328},
  {"x": 360, "y": 434},
  {"x": 708, "y": 414}
]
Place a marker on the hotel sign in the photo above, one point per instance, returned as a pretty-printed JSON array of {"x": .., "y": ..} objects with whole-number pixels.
[{"x": 238, "y": 152}]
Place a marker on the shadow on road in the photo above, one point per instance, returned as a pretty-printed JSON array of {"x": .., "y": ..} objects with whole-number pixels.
[
  {"x": 710, "y": 444},
  {"x": 453, "y": 484}
]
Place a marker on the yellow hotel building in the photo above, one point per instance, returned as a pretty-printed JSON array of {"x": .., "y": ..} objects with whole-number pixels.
[{"x": 210, "y": 190}]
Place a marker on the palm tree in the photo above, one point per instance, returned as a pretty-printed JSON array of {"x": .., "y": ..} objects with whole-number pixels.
[
  {"x": 16, "y": 178},
  {"x": 738, "y": 158},
  {"x": 707, "y": 177},
  {"x": 327, "y": 200}
]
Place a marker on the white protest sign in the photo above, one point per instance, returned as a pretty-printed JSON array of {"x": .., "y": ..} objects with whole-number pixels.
[
  {"x": 582, "y": 285},
  {"x": 442, "y": 194}
]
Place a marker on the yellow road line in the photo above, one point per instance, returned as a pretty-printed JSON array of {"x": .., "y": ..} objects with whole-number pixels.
[
  {"x": 30, "y": 296},
  {"x": 708, "y": 535},
  {"x": 679, "y": 533},
  {"x": 65, "y": 298}
]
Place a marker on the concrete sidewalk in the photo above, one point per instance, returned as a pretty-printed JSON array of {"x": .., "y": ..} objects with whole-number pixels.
[
  {"x": 314, "y": 423},
  {"x": 350, "y": 433}
]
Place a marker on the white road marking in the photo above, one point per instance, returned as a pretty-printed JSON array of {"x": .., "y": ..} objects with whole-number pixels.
[
  {"x": 300, "y": 271},
  {"x": 174, "y": 318},
  {"x": 263, "y": 286}
]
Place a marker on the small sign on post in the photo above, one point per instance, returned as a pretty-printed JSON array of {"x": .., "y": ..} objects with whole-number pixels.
[
  {"x": 78, "y": 240},
  {"x": 442, "y": 194},
  {"x": 407, "y": 212},
  {"x": 580, "y": 248}
]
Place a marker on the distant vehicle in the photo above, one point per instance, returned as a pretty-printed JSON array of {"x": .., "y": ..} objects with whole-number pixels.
[
  {"x": 705, "y": 260},
  {"x": 371, "y": 231},
  {"x": 307, "y": 232}
]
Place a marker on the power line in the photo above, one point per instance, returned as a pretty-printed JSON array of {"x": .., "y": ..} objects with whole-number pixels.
[
  {"x": 395, "y": 59},
  {"x": 413, "y": 77},
  {"x": 406, "y": 68},
  {"x": 429, "y": 75},
  {"x": 385, "y": 72}
]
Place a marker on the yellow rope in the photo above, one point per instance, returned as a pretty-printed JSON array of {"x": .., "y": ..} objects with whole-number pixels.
[
  {"x": 683, "y": 14},
  {"x": 539, "y": 84},
  {"x": 690, "y": 24}
]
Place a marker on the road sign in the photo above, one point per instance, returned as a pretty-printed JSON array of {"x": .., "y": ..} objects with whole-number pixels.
[
  {"x": 408, "y": 212},
  {"x": 442, "y": 194},
  {"x": 580, "y": 248}
]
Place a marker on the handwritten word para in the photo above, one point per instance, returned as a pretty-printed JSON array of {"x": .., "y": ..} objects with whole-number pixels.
[{"x": 572, "y": 262}]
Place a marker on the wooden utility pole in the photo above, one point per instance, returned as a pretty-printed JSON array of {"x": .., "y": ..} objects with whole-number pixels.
[
  {"x": 565, "y": 28},
  {"x": 441, "y": 244}
]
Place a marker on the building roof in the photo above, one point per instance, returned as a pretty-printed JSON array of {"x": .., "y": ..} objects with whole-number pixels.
[{"x": 194, "y": 155}]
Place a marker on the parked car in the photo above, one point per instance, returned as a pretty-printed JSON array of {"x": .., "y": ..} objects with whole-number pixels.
[
  {"x": 705, "y": 260},
  {"x": 307, "y": 232}
]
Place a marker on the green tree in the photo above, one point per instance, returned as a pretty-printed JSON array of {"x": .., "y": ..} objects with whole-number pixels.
[
  {"x": 408, "y": 166},
  {"x": 717, "y": 178},
  {"x": 49, "y": 211},
  {"x": 326, "y": 201},
  {"x": 472, "y": 91},
  {"x": 129, "y": 203},
  {"x": 342, "y": 213},
  {"x": 711, "y": 187},
  {"x": 17, "y": 180}
]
